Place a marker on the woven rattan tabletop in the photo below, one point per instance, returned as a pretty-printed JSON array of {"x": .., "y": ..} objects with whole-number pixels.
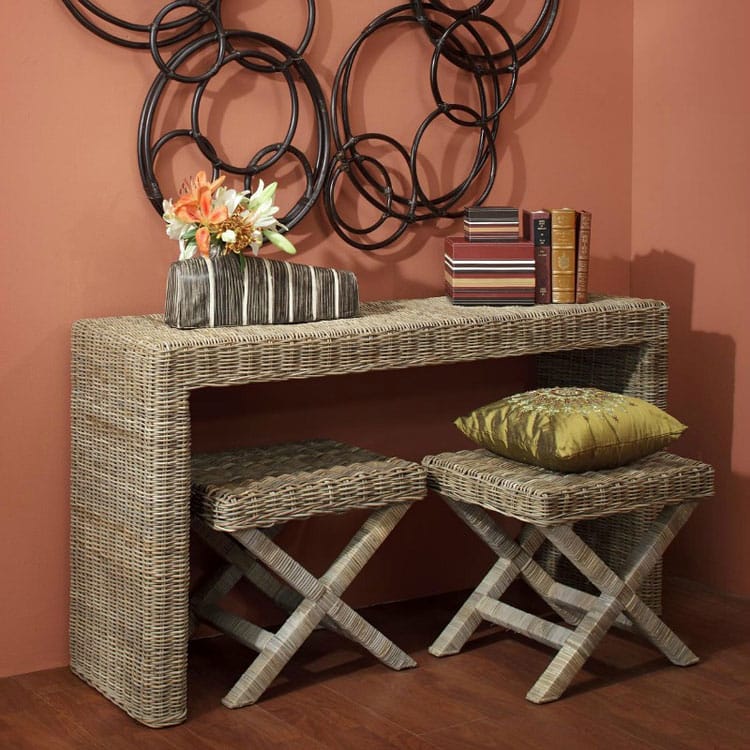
[
  {"x": 386, "y": 316},
  {"x": 388, "y": 334}
]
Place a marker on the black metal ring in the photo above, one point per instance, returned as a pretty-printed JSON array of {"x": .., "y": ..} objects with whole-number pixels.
[
  {"x": 338, "y": 224},
  {"x": 253, "y": 167},
  {"x": 493, "y": 72},
  {"x": 171, "y": 71},
  {"x": 452, "y": 198},
  {"x": 526, "y": 47},
  {"x": 340, "y": 96},
  {"x": 192, "y": 22},
  {"x": 387, "y": 191},
  {"x": 349, "y": 154},
  {"x": 377, "y": 187},
  {"x": 239, "y": 42}
]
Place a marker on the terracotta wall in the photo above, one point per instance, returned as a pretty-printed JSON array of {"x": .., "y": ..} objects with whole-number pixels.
[
  {"x": 81, "y": 240},
  {"x": 691, "y": 192}
]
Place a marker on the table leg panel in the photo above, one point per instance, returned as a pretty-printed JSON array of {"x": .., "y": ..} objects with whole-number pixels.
[{"x": 130, "y": 498}]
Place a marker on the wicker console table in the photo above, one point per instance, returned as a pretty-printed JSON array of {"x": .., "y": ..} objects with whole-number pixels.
[{"x": 131, "y": 444}]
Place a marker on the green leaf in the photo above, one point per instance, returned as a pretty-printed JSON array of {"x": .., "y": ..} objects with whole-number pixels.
[
  {"x": 268, "y": 192},
  {"x": 280, "y": 241}
]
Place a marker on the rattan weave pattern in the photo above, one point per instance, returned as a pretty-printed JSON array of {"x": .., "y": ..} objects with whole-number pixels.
[
  {"x": 549, "y": 503},
  {"x": 391, "y": 334},
  {"x": 546, "y": 498},
  {"x": 130, "y": 445},
  {"x": 274, "y": 484}
]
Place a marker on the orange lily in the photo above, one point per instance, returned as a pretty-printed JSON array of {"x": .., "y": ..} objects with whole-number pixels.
[
  {"x": 194, "y": 205},
  {"x": 192, "y": 185},
  {"x": 203, "y": 241}
]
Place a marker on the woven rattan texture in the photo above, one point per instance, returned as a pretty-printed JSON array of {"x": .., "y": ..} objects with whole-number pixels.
[
  {"x": 387, "y": 335},
  {"x": 130, "y": 446},
  {"x": 636, "y": 370},
  {"x": 547, "y": 498},
  {"x": 275, "y": 484}
]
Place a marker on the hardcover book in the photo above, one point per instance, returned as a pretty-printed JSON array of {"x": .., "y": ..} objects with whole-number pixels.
[
  {"x": 539, "y": 232},
  {"x": 582, "y": 260},
  {"x": 489, "y": 273},
  {"x": 563, "y": 254}
]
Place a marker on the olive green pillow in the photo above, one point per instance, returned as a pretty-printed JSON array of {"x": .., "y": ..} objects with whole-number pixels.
[{"x": 571, "y": 429}]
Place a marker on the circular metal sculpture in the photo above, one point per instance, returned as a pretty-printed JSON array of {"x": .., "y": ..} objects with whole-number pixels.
[
  {"x": 253, "y": 53},
  {"x": 258, "y": 54},
  {"x": 459, "y": 38},
  {"x": 465, "y": 38},
  {"x": 91, "y": 16}
]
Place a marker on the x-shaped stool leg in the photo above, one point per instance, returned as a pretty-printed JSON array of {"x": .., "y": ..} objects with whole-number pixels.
[
  {"x": 618, "y": 594},
  {"x": 591, "y": 615},
  {"x": 314, "y": 601}
]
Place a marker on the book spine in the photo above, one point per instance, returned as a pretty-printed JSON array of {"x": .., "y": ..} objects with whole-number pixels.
[
  {"x": 582, "y": 260},
  {"x": 563, "y": 254},
  {"x": 539, "y": 232}
]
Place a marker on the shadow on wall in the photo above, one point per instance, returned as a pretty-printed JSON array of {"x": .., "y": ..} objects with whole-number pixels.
[
  {"x": 701, "y": 394},
  {"x": 535, "y": 80}
]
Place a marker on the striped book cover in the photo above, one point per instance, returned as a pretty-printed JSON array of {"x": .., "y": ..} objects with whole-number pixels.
[
  {"x": 223, "y": 291},
  {"x": 489, "y": 273},
  {"x": 494, "y": 223}
]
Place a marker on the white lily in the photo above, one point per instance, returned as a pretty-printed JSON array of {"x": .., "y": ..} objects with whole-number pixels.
[
  {"x": 175, "y": 228},
  {"x": 260, "y": 213},
  {"x": 230, "y": 198},
  {"x": 187, "y": 249}
]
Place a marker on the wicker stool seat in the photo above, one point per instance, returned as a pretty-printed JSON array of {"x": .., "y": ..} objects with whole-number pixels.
[
  {"x": 549, "y": 503},
  {"x": 241, "y": 499}
]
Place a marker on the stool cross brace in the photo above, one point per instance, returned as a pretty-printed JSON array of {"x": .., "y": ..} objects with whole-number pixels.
[
  {"x": 310, "y": 601},
  {"x": 586, "y": 617}
]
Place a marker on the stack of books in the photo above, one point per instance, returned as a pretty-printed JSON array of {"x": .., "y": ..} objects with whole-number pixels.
[{"x": 509, "y": 256}]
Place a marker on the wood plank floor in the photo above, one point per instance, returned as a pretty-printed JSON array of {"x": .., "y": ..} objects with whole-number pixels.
[{"x": 333, "y": 696}]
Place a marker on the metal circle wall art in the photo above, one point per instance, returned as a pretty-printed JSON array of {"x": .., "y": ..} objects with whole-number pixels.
[
  {"x": 466, "y": 39},
  {"x": 105, "y": 25},
  {"x": 257, "y": 54},
  {"x": 185, "y": 32}
]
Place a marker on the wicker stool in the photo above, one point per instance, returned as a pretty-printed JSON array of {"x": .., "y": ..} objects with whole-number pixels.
[
  {"x": 549, "y": 503},
  {"x": 237, "y": 494}
]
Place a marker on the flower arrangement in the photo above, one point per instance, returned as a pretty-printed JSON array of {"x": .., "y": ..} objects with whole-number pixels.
[{"x": 211, "y": 219}]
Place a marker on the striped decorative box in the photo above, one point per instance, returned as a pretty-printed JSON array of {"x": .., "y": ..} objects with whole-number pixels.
[
  {"x": 495, "y": 224},
  {"x": 223, "y": 291},
  {"x": 489, "y": 273}
]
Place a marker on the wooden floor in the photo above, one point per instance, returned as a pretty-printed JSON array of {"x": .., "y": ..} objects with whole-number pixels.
[{"x": 332, "y": 696}]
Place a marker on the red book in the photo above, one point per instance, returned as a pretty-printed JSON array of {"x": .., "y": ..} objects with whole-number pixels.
[
  {"x": 459, "y": 248},
  {"x": 582, "y": 259},
  {"x": 539, "y": 233}
]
